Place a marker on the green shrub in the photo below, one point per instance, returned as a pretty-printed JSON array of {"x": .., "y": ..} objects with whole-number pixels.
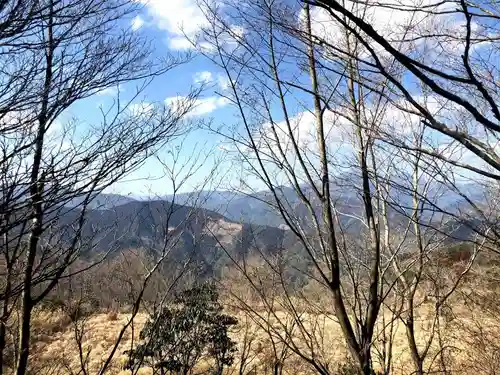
[{"x": 192, "y": 328}]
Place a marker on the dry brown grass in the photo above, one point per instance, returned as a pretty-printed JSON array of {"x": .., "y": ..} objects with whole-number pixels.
[
  {"x": 112, "y": 316},
  {"x": 55, "y": 346},
  {"x": 58, "y": 348}
]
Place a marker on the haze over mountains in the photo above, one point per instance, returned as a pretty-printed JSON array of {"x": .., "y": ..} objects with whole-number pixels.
[
  {"x": 211, "y": 227},
  {"x": 205, "y": 237},
  {"x": 257, "y": 208}
]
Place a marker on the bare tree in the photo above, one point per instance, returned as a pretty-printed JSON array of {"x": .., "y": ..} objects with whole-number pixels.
[
  {"x": 468, "y": 80},
  {"x": 307, "y": 170},
  {"x": 314, "y": 104},
  {"x": 55, "y": 54}
]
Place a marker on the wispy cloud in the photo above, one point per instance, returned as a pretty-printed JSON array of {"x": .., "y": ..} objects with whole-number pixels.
[
  {"x": 202, "y": 106},
  {"x": 109, "y": 91},
  {"x": 137, "y": 23},
  {"x": 141, "y": 109},
  {"x": 203, "y": 77},
  {"x": 179, "y": 43},
  {"x": 217, "y": 79},
  {"x": 180, "y": 18},
  {"x": 223, "y": 81}
]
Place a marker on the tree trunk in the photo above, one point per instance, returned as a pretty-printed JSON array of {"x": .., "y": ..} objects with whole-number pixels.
[
  {"x": 36, "y": 191},
  {"x": 3, "y": 321},
  {"x": 2, "y": 345},
  {"x": 24, "y": 334},
  {"x": 410, "y": 334}
]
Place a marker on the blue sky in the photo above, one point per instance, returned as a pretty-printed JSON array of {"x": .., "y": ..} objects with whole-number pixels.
[
  {"x": 166, "y": 23},
  {"x": 160, "y": 22},
  {"x": 169, "y": 24}
]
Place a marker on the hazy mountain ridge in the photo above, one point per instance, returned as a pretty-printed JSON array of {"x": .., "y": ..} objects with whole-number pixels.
[
  {"x": 211, "y": 223},
  {"x": 102, "y": 201},
  {"x": 154, "y": 226},
  {"x": 257, "y": 207}
]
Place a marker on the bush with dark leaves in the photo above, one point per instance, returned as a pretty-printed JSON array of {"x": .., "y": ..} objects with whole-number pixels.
[{"x": 192, "y": 328}]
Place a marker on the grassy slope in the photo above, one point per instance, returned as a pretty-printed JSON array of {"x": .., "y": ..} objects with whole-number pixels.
[{"x": 55, "y": 342}]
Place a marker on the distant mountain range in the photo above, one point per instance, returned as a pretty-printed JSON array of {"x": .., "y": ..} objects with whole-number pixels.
[
  {"x": 259, "y": 208},
  {"x": 103, "y": 201},
  {"x": 252, "y": 209},
  {"x": 206, "y": 237},
  {"x": 211, "y": 227},
  {"x": 137, "y": 222}
]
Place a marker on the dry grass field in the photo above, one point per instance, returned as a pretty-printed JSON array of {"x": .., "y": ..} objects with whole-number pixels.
[{"x": 468, "y": 341}]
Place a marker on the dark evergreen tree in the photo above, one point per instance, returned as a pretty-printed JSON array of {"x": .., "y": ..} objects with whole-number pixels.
[{"x": 190, "y": 329}]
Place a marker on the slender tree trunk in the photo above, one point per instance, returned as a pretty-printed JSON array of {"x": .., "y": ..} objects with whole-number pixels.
[
  {"x": 368, "y": 325},
  {"x": 410, "y": 335},
  {"x": 3, "y": 319},
  {"x": 340, "y": 309},
  {"x": 7, "y": 293},
  {"x": 2, "y": 343},
  {"x": 36, "y": 190},
  {"x": 417, "y": 357},
  {"x": 36, "y": 231}
]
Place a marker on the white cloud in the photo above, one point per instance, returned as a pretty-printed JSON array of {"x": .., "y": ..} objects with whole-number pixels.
[
  {"x": 179, "y": 17},
  {"x": 137, "y": 23},
  {"x": 202, "y": 106},
  {"x": 179, "y": 43},
  {"x": 176, "y": 16},
  {"x": 141, "y": 109},
  {"x": 109, "y": 91},
  {"x": 208, "y": 105},
  {"x": 394, "y": 124},
  {"x": 203, "y": 77},
  {"x": 303, "y": 132},
  {"x": 218, "y": 79},
  {"x": 223, "y": 82},
  {"x": 275, "y": 144},
  {"x": 184, "y": 20},
  {"x": 426, "y": 34},
  {"x": 16, "y": 119}
]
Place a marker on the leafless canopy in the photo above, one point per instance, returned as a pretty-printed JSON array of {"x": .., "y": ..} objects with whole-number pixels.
[
  {"x": 372, "y": 113},
  {"x": 54, "y": 55}
]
